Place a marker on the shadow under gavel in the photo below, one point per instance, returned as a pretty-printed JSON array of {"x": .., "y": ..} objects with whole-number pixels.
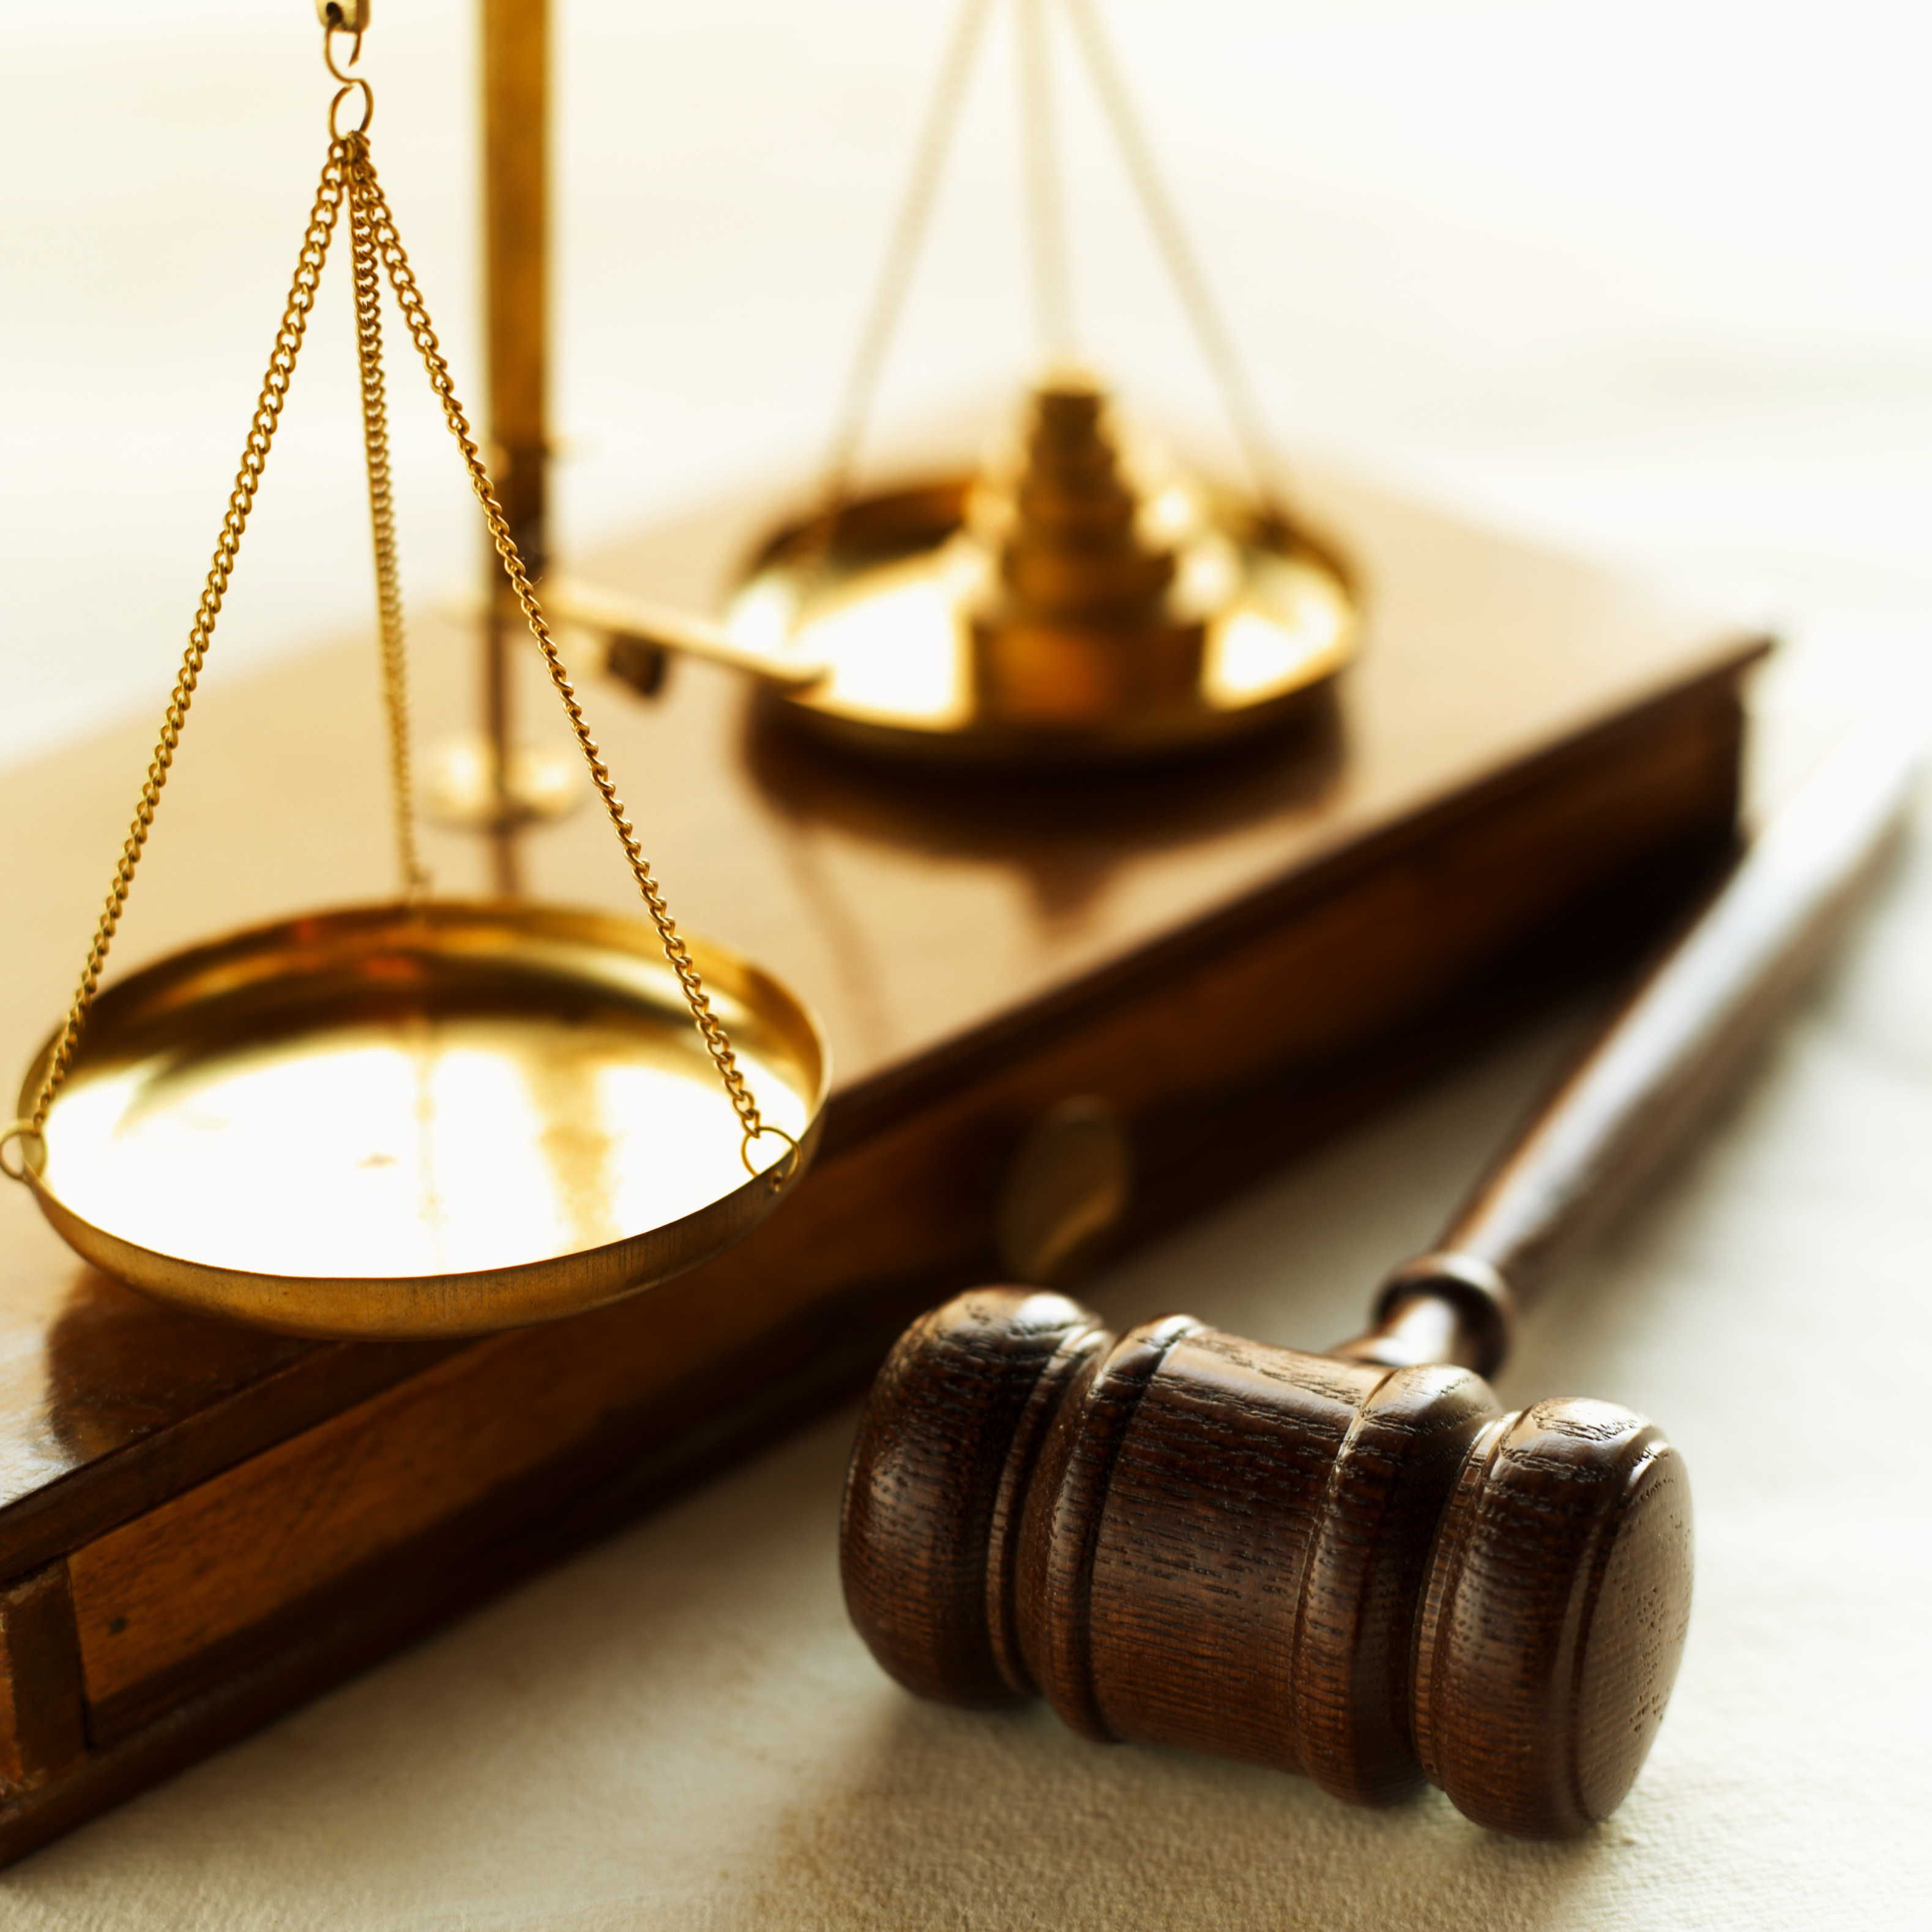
[{"x": 1353, "y": 1564}]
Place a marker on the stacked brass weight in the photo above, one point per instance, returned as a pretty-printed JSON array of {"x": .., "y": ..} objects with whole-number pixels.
[
  {"x": 1078, "y": 600},
  {"x": 1084, "y": 620}
]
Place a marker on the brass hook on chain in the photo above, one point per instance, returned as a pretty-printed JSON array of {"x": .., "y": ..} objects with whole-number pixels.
[
  {"x": 782, "y": 1169},
  {"x": 346, "y": 16},
  {"x": 350, "y": 17}
]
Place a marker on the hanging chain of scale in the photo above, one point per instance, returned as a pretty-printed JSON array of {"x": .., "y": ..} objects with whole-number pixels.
[
  {"x": 1079, "y": 597},
  {"x": 314, "y": 977}
]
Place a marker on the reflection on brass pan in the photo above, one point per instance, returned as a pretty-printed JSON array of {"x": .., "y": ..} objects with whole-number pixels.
[
  {"x": 1078, "y": 603},
  {"x": 420, "y": 1121},
  {"x": 1062, "y": 834}
]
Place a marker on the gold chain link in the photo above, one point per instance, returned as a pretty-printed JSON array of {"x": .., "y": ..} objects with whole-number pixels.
[
  {"x": 248, "y": 479},
  {"x": 1052, "y": 291},
  {"x": 1237, "y": 393},
  {"x": 350, "y": 173},
  {"x": 409, "y": 298},
  {"x": 862, "y": 380},
  {"x": 382, "y": 510},
  {"x": 1046, "y": 214}
]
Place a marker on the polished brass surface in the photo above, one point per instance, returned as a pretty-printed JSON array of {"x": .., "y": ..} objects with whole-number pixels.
[
  {"x": 1085, "y": 617},
  {"x": 349, "y": 174},
  {"x": 516, "y": 254},
  {"x": 330, "y": 195},
  {"x": 414, "y": 877},
  {"x": 516, "y": 308},
  {"x": 1053, "y": 288},
  {"x": 205, "y": 1162},
  {"x": 1073, "y": 607},
  {"x": 415, "y": 316},
  {"x": 613, "y": 614},
  {"x": 493, "y": 782},
  {"x": 1064, "y": 607},
  {"x": 436, "y": 1120}
]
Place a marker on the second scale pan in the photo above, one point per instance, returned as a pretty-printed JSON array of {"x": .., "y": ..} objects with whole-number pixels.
[
  {"x": 435, "y": 1120},
  {"x": 877, "y": 603}
]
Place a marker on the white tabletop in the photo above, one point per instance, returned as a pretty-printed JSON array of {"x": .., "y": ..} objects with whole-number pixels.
[{"x": 1652, "y": 281}]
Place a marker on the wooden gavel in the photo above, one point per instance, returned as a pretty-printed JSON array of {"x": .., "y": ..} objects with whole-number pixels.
[{"x": 1352, "y": 1565}]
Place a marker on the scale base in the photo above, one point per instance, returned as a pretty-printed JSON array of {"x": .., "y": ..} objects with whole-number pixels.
[{"x": 1534, "y": 763}]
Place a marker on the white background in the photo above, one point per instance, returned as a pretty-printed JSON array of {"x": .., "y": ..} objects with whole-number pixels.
[{"x": 1656, "y": 277}]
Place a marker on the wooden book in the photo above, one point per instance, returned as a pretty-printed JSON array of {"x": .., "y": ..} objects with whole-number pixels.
[{"x": 199, "y": 1525}]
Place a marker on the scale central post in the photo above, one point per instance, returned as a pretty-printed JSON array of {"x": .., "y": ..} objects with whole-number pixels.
[
  {"x": 516, "y": 267},
  {"x": 497, "y": 786}
]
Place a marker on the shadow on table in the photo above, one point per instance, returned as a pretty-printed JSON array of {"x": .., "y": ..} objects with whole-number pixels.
[{"x": 975, "y": 1819}]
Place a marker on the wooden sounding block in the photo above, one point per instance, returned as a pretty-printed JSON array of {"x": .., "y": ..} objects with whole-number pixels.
[{"x": 1211, "y": 966}]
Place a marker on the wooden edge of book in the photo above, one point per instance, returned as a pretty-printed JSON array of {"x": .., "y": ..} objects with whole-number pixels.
[{"x": 210, "y": 1576}]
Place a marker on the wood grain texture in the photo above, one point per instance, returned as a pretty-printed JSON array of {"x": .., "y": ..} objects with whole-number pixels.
[
  {"x": 1557, "y": 1604},
  {"x": 1509, "y": 704},
  {"x": 311, "y": 1508},
  {"x": 1659, "y": 1060},
  {"x": 636, "y": 1462},
  {"x": 43, "y": 1711},
  {"x": 1351, "y": 1565},
  {"x": 906, "y": 1205},
  {"x": 1366, "y": 1566},
  {"x": 111, "y": 1403},
  {"x": 1172, "y": 1662},
  {"x": 1703, "y": 1004},
  {"x": 1059, "y": 1570},
  {"x": 1366, "y": 1574},
  {"x": 970, "y": 1387},
  {"x": 1532, "y": 767}
]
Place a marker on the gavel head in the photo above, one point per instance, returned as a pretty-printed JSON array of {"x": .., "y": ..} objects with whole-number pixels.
[{"x": 1372, "y": 1576}]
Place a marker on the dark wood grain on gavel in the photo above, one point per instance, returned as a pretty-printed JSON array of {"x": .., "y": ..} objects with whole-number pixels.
[{"x": 1355, "y": 1564}]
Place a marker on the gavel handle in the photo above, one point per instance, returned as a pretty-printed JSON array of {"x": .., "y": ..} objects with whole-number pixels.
[{"x": 1663, "y": 1057}]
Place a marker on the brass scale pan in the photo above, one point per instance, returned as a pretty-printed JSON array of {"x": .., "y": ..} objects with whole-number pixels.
[
  {"x": 1078, "y": 602},
  {"x": 425, "y": 1119},
  {"x": 437, "y": 1119}
]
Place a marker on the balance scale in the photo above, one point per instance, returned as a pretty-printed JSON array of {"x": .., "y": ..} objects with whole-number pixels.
[{"x": 1079, "y": 978}]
